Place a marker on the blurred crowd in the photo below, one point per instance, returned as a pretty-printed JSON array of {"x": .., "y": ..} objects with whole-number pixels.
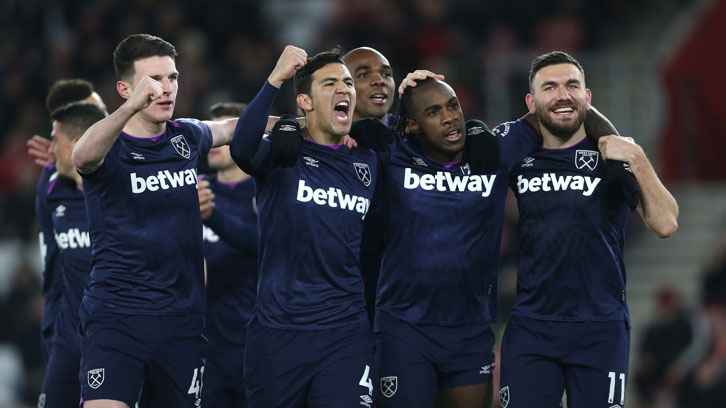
[
  {"x": 681, "y": 360},
  {"x": 227, "y": 47}
]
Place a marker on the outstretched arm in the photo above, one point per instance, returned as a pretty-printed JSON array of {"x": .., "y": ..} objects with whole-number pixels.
[
  {"x": 251, "y": 125},
  {"x": 657, "y": 207},
  {"x": 92, "y": 147}
]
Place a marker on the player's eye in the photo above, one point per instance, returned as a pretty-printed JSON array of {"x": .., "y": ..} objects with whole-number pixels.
[
  {"x": 387, "y": 74},
  {"x": 455, "y": 105},
  {"x": 432, "y": 113},
  {"x": 363, "y": 75}
]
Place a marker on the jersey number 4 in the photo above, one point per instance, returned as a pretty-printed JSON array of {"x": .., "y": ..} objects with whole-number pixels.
[{"x": 197, "y": 382}]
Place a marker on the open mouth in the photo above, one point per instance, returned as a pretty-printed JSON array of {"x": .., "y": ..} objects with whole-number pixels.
[
  {"x": 341, "y": 110},
  {"x": 165, "y": 104},
  {"x": 379, "y": 98},
  {"x": 453, "y": 135},
  {"x": 564, "y": 111}
]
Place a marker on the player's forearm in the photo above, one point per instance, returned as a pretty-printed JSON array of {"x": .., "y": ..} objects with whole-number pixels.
[
  {"x": 657, "y": 207},
  {"x": 96, "y": 142},
  {"x": 222, "y": 130},
  {"x": 237, "y": 234},
  {"x": 596, "y": 124},
  {"x": 251, "y": 126}
]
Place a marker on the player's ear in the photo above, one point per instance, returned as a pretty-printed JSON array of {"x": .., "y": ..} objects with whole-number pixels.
[
  {"x": 588, "y": 97},
  {"x": 124, "y": 89},
  {"x": 412, "y": 127},
  {"x": 305, "y": 102},
  {"x": 530, "y": 103}
]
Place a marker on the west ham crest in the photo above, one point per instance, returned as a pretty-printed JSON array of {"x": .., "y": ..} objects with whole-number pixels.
[
  {"x": 389, "y": 385},
  {"x": 96, "y": 377},
  {"x": 363, "y": 172},
  {"x": 586, "y": 159},
  {"x": 504, "y": 397},
  {"x": 181, "y": 146}
]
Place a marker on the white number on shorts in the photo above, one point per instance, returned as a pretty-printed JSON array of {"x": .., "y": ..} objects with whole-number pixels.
[
  {"x": 197, "y": 382},
  {"x": 365, "y": 381},
  {"x": 611, "y": 395}
]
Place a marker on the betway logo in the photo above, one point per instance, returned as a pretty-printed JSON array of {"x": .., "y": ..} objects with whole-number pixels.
[
  {"x": 553, "y": 182},
  {"x": 163, "y": 180},
  {"x": 332, "y": 197},
  {"x": 73, "y": 238},
  {"x": 445, "y": 181},
  {"x": 209, "y": 235}
]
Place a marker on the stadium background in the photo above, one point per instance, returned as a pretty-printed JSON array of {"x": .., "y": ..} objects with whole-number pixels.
[{"x": 656, "y": 69}]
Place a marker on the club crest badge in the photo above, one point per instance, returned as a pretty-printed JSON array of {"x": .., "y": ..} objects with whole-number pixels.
[
  {"x": 389, "y": 386},
  {"x": 181, "y": 146},
  {"x": 96, "y": 377},
  {"x": 363, "y": 172},
  {"x": 586, "y": 159},
  {"x": 504, "y": 397}
]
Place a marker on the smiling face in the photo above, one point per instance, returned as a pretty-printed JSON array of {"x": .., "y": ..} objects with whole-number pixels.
[
  {"x": 436, "y": 116},
  {"x": 162, "y": 69},
  {"x": 559, "y": 99},
  {"x": 329, "y": 106},
  {"x": 374, "y": 83}
]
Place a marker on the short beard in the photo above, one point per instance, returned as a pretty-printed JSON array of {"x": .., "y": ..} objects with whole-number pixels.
[{"x": 565, "y": 131}]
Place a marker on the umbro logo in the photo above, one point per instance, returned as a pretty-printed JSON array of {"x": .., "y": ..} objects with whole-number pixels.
[
  {"x": 310, "y": 161},
  {"x": 528, "y": 162},
  {"x": 419, "y": 162},
  {"x": 487, "y": 369},
  {"x": 288, "y": 128},
  {"x": 137, "y": 156},
  {"x": 60, "y": 210}
]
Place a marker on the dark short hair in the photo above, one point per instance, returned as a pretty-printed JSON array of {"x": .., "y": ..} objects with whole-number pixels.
[
  {"x": 76, "y": 117},
  {"x": 303, "y": 78},
  {"x": 65, "y": 91},
  {"x": 136, "y": 47},
  {"x": 404, "y": 105},
  {"x": 552, "y": 58},
  {"x": 227, "y": 109}
]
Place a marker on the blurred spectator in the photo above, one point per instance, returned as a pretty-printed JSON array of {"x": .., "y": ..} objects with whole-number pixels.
[
  {"x": 705, "y": 385},
  {"x": 664, "y": 341},
  {"x": 20, "y": 314}
]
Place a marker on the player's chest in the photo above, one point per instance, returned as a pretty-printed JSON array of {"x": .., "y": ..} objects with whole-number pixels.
[
  {"x": 560, "y": 176},
  {"x": 418, "y": 182}
]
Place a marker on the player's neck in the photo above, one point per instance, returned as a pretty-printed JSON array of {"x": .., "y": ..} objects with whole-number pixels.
[
  {"x": 550, "y": 141},
  {"x": 232, "y": 174},
  {"x": 79, "y": 181},
  {"x": 138, "y": 127},
  {"x": 440, "y": 157},
  {"x": 321, "y": 137},
  {"x": 357, "y": 116}
]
